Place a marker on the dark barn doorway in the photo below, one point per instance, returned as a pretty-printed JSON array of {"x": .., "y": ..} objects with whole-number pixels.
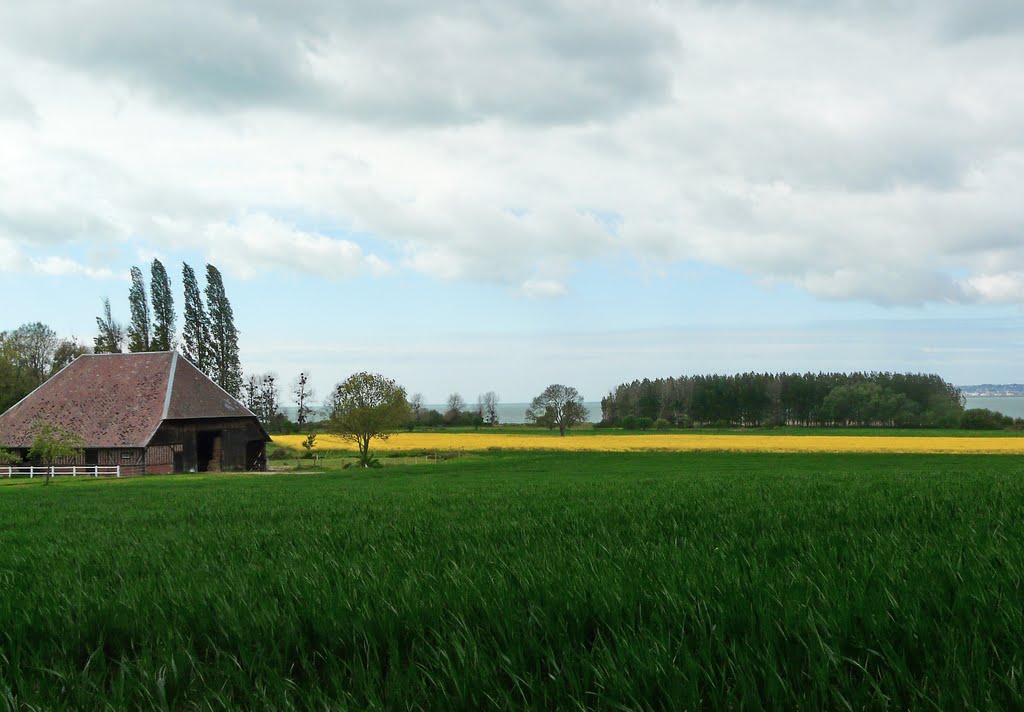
[
  {"x": 208, "y": 450},
  {"x": 255, "y": 456}
]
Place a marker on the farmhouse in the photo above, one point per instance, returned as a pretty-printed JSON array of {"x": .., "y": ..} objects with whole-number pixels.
[{"x": 148, "y": 412}]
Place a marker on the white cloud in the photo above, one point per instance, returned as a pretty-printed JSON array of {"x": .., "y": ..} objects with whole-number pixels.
[
  {"x": 60, "y": 266},
  {"x": 543, "y": 288},
  {"x": 855, "y": 152},
  {"x": 1007, "y": 288},
  {"x": 258, "y": 243},
  {"x": 13, "y": 259}
]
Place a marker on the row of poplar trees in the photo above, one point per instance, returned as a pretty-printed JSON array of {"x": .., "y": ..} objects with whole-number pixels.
[{"x": 209, "y": 338}]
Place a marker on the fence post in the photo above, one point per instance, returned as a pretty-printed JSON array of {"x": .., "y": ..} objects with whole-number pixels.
[
  {"x": 31, "y": 471},
  {"x": 53, "y": 471},
  {"x": 95, "y": 470},
  {"x": 118, "y": 470}
]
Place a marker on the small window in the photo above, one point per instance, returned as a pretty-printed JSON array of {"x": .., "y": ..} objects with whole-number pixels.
[{"x": 126, "y": 454}]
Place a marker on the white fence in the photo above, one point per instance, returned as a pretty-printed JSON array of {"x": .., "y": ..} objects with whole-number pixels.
[{"x": 32, "y": 471}]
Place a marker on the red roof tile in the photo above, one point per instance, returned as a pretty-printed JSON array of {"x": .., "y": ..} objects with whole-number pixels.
[
  {"x": 194, "y": 395},
  {"x": 118, "y": 400}
]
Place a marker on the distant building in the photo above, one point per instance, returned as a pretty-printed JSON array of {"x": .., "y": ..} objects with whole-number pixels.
[{"x": 148, "y": 412}]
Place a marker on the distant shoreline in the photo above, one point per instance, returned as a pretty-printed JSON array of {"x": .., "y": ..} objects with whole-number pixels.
[{"x": 993, "y": 390}]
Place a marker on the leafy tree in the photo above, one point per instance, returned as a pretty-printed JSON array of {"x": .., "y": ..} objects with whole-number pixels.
[
  {"x": 309, "y": 443},
  {"x": 13, "y": 386},
  {"x": 431, "y": 418},
  {"x": 110, "y": 339},
  {"x": 195, "y": 334},
  {"x": 28, "y": 356},
  {"x": 415, "y": 409},
  {"x": 302, "y": 394},
  {"x": 456, "y": 404},
  {"x": 8, "y": 458},
  {"x": 163, "y": 308},
  {"x": 487, "y": 405},
  {"x": 225, "y": 363},
  {"x": 30, "y": 349},
  {"x": 51, "y": 444},
  {"x": 557, "y": 406},
  {"x": 67, "y": 351},
  {"x": 366, "y": 406},
  {"x": 138, "y": 327}
]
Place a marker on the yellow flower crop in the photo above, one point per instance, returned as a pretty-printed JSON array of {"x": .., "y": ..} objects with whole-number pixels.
[{"x": 672, "y": 442}]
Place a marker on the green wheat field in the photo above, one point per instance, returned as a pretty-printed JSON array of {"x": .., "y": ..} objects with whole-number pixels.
[{"x": 525, "y": 580}]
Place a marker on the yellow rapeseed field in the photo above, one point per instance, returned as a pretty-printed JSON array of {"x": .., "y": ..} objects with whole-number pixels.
[{"x": 672, "y": 442}]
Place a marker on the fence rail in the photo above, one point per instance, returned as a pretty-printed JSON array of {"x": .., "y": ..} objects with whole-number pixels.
[{"x": 32, "y": 471}]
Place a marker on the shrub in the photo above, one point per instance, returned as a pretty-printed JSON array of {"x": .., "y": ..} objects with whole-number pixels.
[
  {"x": 984, "y": 419},
  {"x": 633, "y": 422},
  {"x": 662, "y": 424},
  {"x": 278, "y": 454}
]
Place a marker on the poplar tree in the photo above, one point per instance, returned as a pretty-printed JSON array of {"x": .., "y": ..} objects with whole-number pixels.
[
  {"x": 110, "y": 340},
  {"x": 138, "y": 327},
  {"x": 195, "y": 333},
  {"x": 225, "y": 362},
  {"x": 163, "y": 308}
]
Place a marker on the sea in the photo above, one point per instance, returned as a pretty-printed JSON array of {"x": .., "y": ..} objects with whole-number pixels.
[
  {"x": 515, "y": 413},
  {"x": 1012, "y": 406}
]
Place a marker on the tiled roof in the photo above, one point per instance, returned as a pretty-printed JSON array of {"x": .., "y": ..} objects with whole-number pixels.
[
  {"x": 194, "y": 395},
  {"x": 118, "y": 400}
]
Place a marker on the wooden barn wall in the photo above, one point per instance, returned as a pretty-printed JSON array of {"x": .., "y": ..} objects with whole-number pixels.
[
  {"x": 236, "y": 434},
  {"x": 131, "y": 460},
  {"x": 160, "y": 459}
]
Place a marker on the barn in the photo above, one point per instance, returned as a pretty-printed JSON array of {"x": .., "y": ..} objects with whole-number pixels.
[{"x": 147, "y": 412}]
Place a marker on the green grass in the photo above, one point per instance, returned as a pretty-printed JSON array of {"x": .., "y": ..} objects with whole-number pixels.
[{"x": 683, "y": 581}]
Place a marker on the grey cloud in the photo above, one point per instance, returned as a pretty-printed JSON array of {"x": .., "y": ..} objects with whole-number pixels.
[
  {"x": 406, "y": 63},
  {"x": 983, "y": 18},
  {"x": 43, "y": 228},
  {"x": 14, "y": 105},
  {"x": 883, "y": 287},
  {"x": 191, "y": 53}
]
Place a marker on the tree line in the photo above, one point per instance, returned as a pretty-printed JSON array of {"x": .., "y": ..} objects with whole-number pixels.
[
  {"x": 809, "y": 399},
  {"x": 457, "y": 412},
  {"x": 209, "y": 338}
]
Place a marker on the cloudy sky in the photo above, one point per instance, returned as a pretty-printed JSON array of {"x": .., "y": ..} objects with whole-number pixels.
[{"x": 498, "y": 195}]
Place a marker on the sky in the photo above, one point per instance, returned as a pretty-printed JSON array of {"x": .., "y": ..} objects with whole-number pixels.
[{"x": 474, "y": 196}]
